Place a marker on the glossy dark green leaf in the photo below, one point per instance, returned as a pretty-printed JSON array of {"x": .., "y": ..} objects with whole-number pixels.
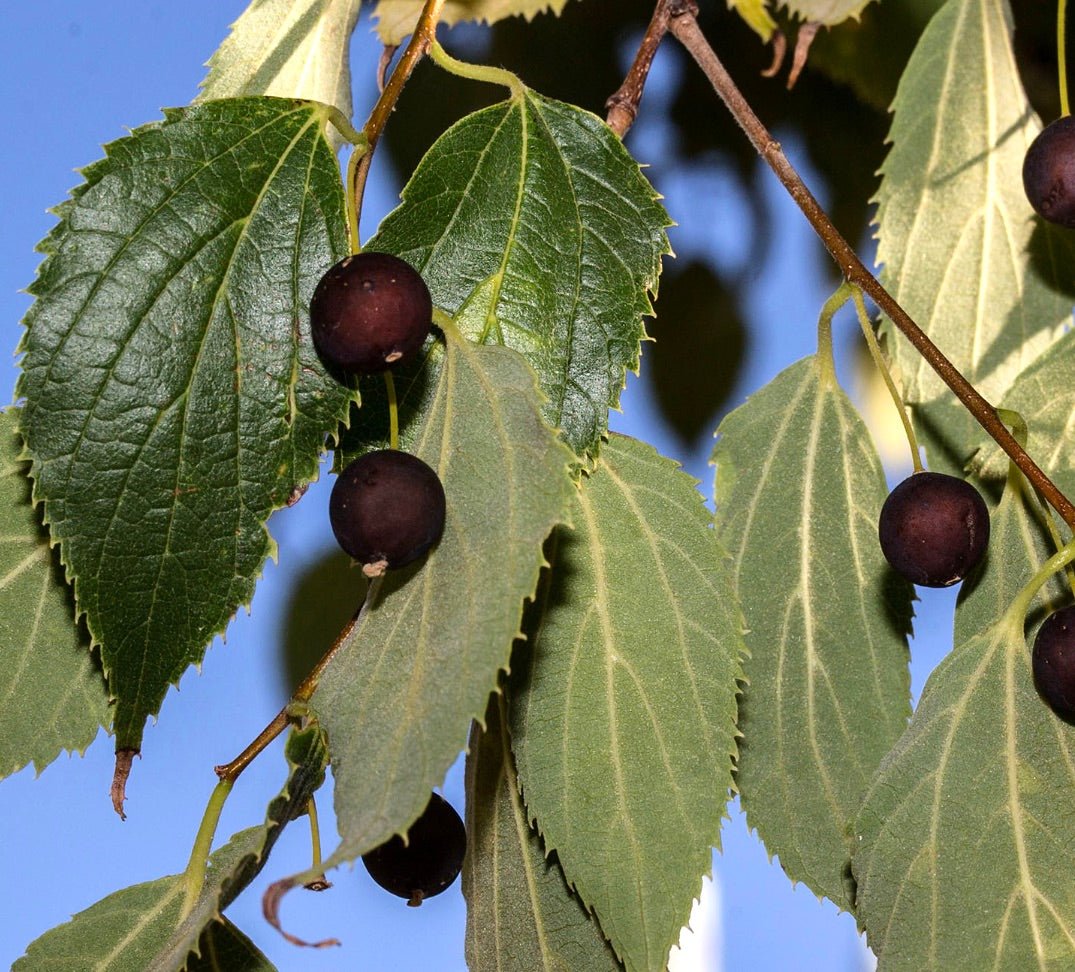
[
  {"x": 173, "y": 398},
  {"x": 535, "y": 229}
]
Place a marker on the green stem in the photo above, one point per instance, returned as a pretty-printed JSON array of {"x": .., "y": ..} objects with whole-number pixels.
[
  {"x": 890, "y": 382},
  {"x": 476, "y": 72},
  {"x": 194, "y": 875},
  {"x": 393, "y": 411},
  {"x": 824, "y": 333},
  {"x": 1061, "y": 55},
  {"x": 1058, "y": 561}
]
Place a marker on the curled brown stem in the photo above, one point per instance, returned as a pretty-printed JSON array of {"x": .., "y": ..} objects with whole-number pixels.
[{"x": 685, "y": 28}]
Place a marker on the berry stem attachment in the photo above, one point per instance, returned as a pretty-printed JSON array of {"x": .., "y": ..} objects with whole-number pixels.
[
  {"x": 1020, "y": 606},
  {"x": 1061, "y": 55},
  {"x": 685, "y": 28},
  {"x": 890, "y": 383},
  {"x": 194, "y": 875},
  {"x": 319, "y": 883},
  {"x": 229, "y": 772},
  {"x": 393, "y": 411},
  {"x": 417, "y": 47}
]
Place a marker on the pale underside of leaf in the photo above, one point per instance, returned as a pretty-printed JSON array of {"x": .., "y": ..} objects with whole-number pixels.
[
  {"x": 173, "y": 395},
  {"x": 960, "y": 247},
  {"x": 144, "y": 929},
  {"x": 396, "y": 19},
  {"x": 799, "y": 488},
  {"x": 53, "y": 694},
  {"x": 288, "y": 49},
  {"x": 521, "y": 915},
  {"x": 531, "y": 224},
  {"x": 1044, "y": 395},
  {"x": 828, "y": 13},
  {"x": 398, "y": 699},
  {"x": 623, "y": 708}
]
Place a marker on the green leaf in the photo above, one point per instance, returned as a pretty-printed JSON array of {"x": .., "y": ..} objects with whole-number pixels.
[
  {"x": 143, "y": 928},
  {"x": 826, "y": 12},
  {"x": 827, "y": 693},
  {"x": 52, "y": 693},
  {"x": 397, "y": 18},
  {"x": 961, "y": 248},
  {"x": 173, "y": 396},
  {"x": 1044, "y": 395},
  {"x": 965, "y": 839},
  {"x": 756, "y": 14},
  {"x": 223, "y": 948},
  {"x": 521, "y": 915},
  {"x": 535, "y": 229},
  {"x": 623, "y": 715},
  {"x": 398, "y": 698},
  {"x": 287, "y": 48}
]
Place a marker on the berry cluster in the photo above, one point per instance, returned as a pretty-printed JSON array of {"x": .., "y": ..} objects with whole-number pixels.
[
  {"x": 371, "y": 312},
  {"x": 1049, "y": 182}
]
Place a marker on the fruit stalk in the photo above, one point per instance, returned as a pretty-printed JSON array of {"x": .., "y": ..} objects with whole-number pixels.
[{"x": 685, "y": 28}]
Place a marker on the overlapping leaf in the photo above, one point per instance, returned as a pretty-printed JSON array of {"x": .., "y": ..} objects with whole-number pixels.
[
  {"x": 521, "y": 915},
  {"x": 799, "y": 487},
  {"x": 52, "y": 693},
  {"x": 965, "y": 839},
  {"x": 173, "y": 397},
  {"x": 1044, "y": 395},
  {"x": 623, "y": 715},
  {"x": 531, "y": 222},
  {"x": 826, "y": 12},
  {"x": 397, "y": 18},
  {"x": 288, "y": 49},
  {"x": 144, "y": 929},
  {"x": 961, "y": 248},
  {"x": 398, "y": 699}
]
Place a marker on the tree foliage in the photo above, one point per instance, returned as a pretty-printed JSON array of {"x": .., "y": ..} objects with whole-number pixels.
[{"x": 617, "y": 660}]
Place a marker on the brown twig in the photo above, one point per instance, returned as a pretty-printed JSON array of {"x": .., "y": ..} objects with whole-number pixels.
[
  {"x": 685, "y": 28},
  {"x": 282, "y": 719},
  {"x": 622, "y": 105},
  {"x": 416, "y": 49}
]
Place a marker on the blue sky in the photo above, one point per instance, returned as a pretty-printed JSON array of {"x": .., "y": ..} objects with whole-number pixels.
[{"x": 76, "y": 75}]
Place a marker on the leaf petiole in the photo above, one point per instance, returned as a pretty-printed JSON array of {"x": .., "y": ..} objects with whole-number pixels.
[
  {"x": 476, "y": 72},
  {"x": 194, "y": 875},
  {"x": 890, "y": 383}
]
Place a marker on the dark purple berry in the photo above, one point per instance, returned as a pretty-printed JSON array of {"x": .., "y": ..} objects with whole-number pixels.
[
  {"x": 1049, "y": 172},
  {"x": 934, "y": 528},
  {"x": 1053, "y": 660},
  {"x": 430, "y": 859},
  {"x": 370, "y": 312},
  {"x": 387, "y": 509}
]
